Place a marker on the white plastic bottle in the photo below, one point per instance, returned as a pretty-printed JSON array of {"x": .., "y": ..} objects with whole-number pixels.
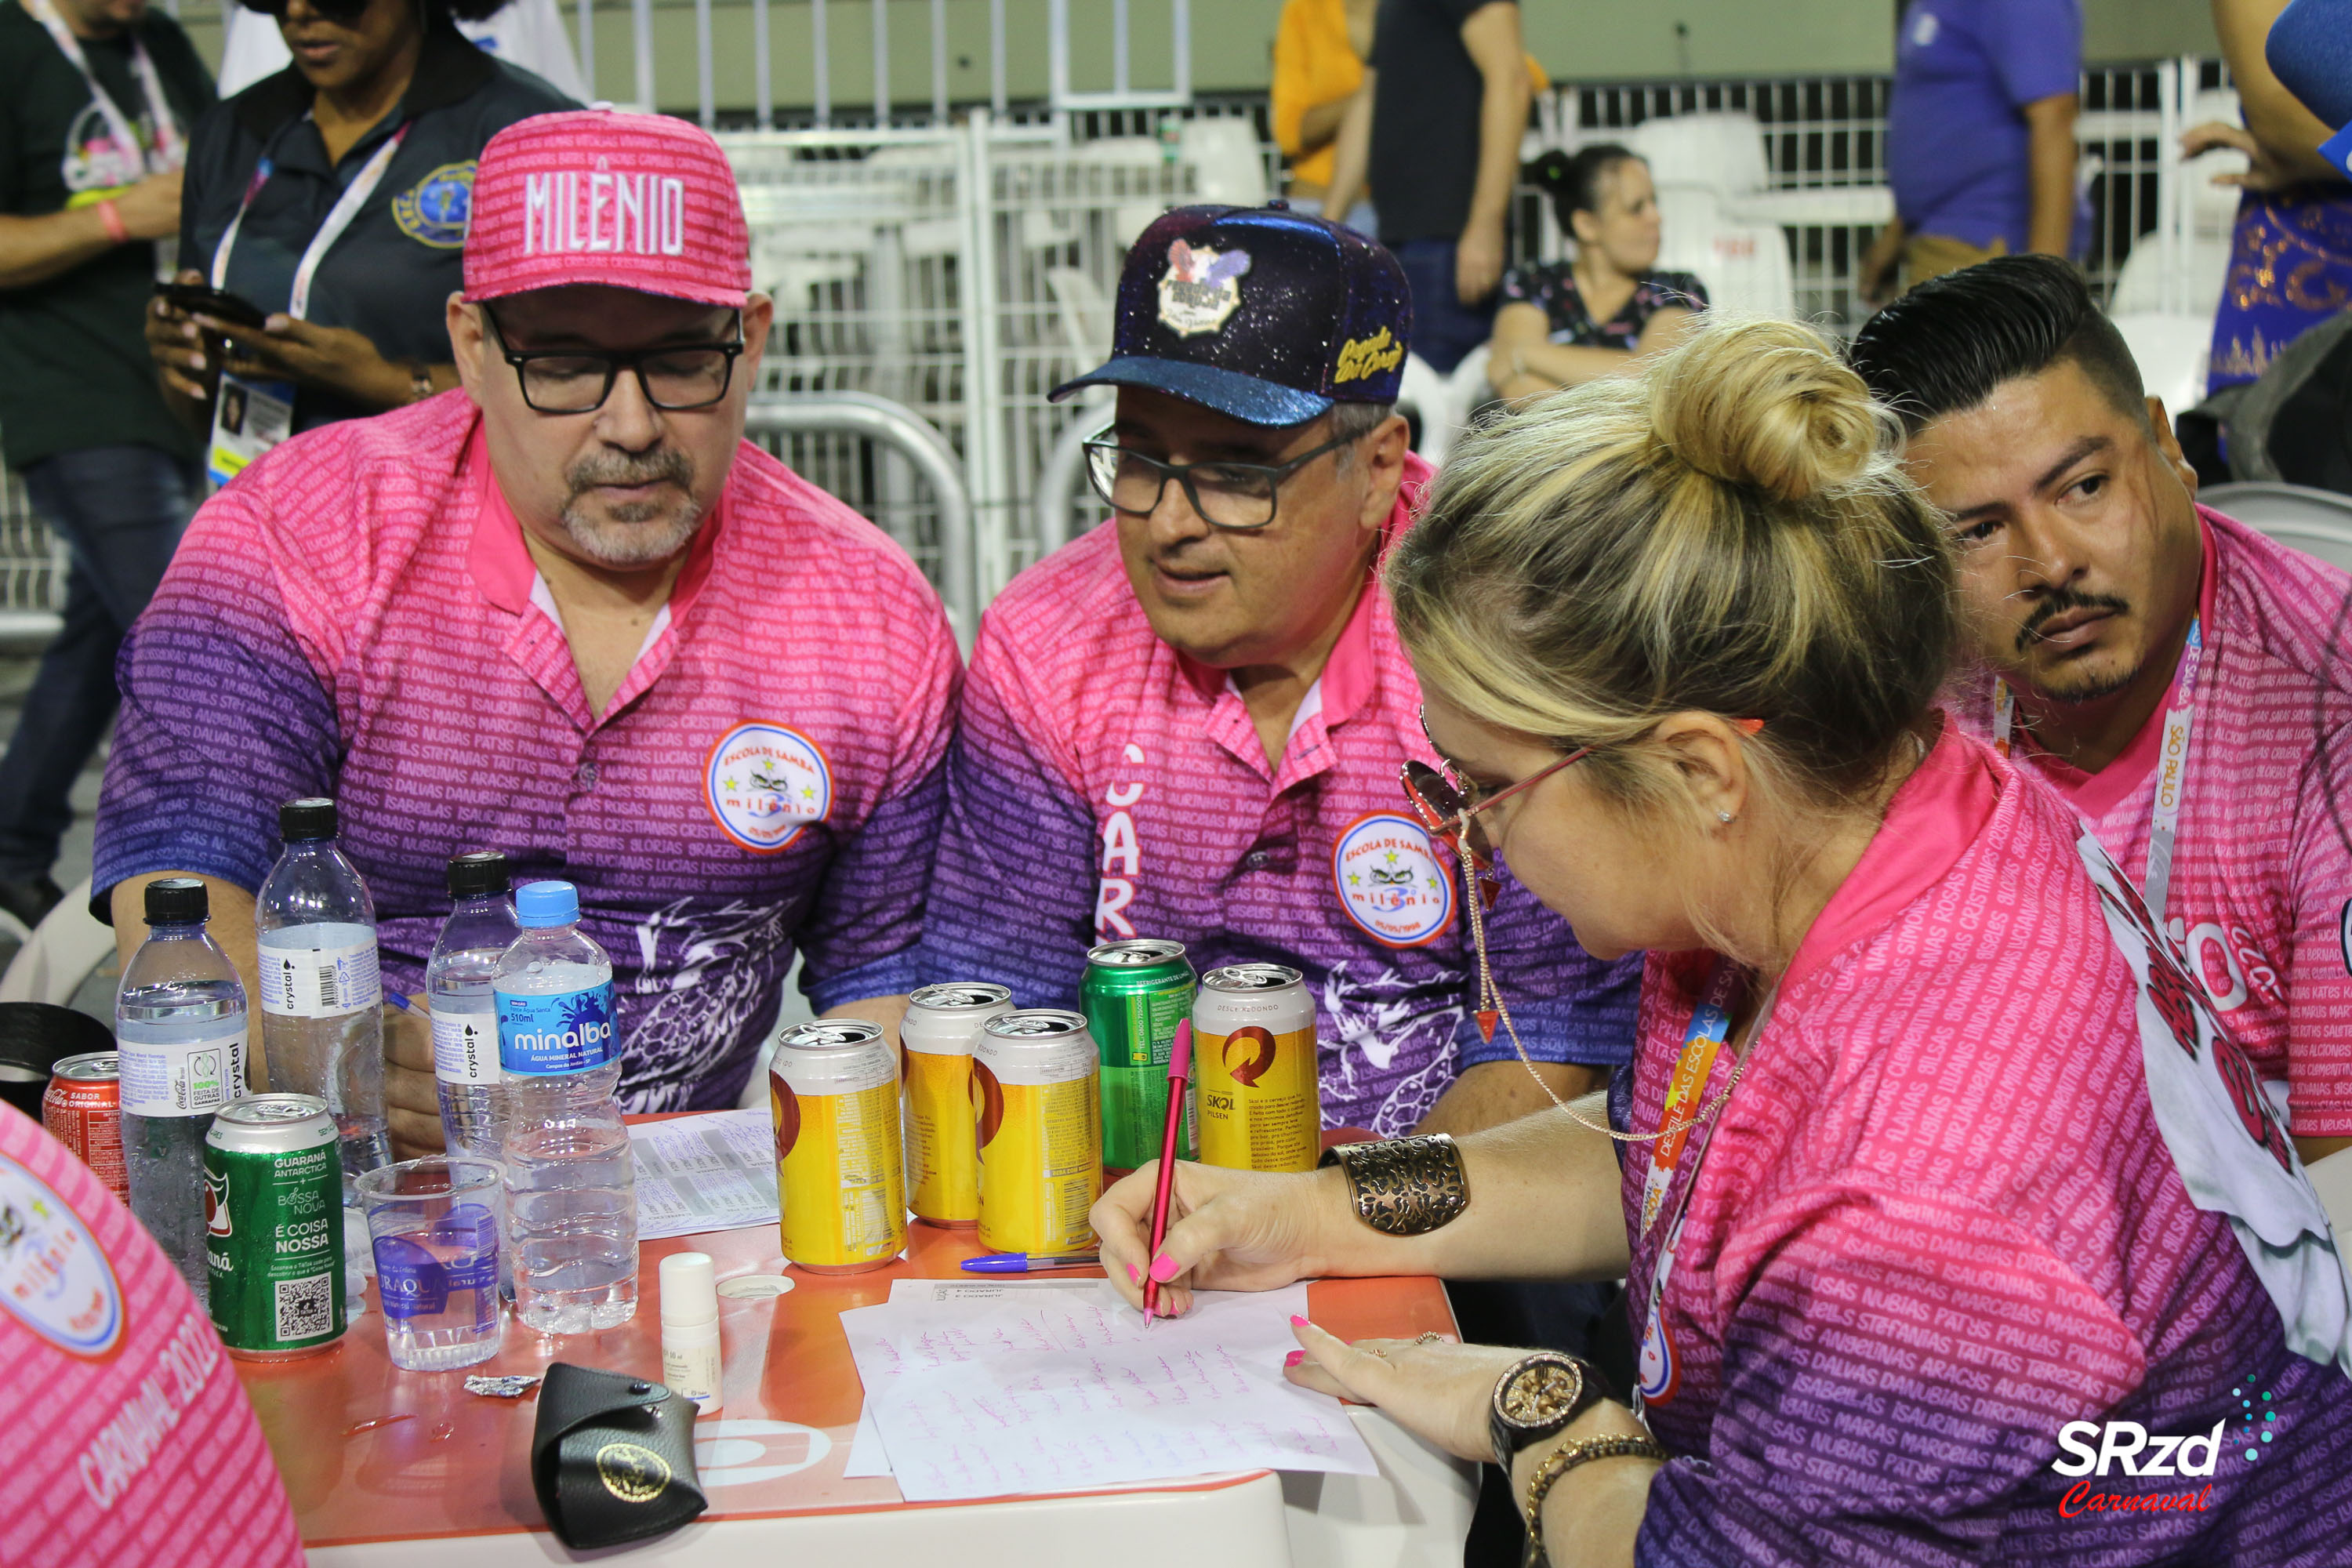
[
  {"x": 458, "y": 987},
  {"x": 572, "y": 1196},
  {"x": 321, "y": 995},
  {"x": 690, "y": 1329}
]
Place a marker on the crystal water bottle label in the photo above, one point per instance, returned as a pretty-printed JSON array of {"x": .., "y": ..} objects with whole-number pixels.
[
  {"x": 568, "y": 1031},
  {"x": 465, "y": 1047},
  {"x": 321, "y": 973},
  {"x": 183, "y": 1078}
]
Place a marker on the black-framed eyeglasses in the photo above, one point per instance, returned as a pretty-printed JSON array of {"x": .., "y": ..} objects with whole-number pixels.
[
  {"x": 578, "y": 381},
  {"x": 1238, "y": 496}
]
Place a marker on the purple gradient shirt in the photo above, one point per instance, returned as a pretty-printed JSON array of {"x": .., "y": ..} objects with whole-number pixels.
[{"x": 357, "y": 616}]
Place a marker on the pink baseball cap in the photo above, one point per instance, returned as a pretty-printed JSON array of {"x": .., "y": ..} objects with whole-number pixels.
[{"x": 630, "y": 201}]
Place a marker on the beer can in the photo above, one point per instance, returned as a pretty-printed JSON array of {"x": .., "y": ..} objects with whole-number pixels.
[
  {"x": 82, "y": 1110},
  {"x": 841, "y": 1178},
  {"x": 942, "y": 1161},
  {"x": 274, "y": 1227},
  {"x": 1253, "y": 1069},
  {"x": 1134, "y": 996},
  {"x": 1037, "y": 1088}
]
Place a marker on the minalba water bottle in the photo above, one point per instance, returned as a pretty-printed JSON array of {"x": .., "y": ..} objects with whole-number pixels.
[
  {"x": 458, "y": 986},
  {"x": 179, "y": 1027},
  {"x": 322, "y": 998},
  {"x": 571, "y": 1197}
]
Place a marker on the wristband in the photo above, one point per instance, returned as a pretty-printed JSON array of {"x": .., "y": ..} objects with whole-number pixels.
[
  {"x": 1404, "y": 1186},
  {"x": 420, "y": 381},
  {"x": 116, "y": 229},
  {"x": 1566, "y": 1458}
]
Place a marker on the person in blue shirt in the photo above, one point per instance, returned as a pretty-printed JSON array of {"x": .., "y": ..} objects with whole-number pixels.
[{"x": 1980, "y": 138}]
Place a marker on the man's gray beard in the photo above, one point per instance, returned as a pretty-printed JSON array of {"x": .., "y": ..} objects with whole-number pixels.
[
  {"x": 629, "y": 543},
  {"x": 632, "y": 538}
]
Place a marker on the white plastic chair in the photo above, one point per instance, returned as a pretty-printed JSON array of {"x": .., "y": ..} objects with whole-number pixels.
[
  {"x": 2172, "y": 353},
  {"x": 1228, "y": 162},
  {"x": 2318, "y": 522},
  {"x": 62, "y": 951},
  {"x": 1745, "y": 266},
  {"x": 1722, "y": 153},
  {"x": 2140, "y": 284}
]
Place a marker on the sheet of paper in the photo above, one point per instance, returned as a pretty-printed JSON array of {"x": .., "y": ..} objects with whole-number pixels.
[
  {"x": 696, "y": 1174},
  {"x": 1061, "y": 1390},
  {"x": 868, "y": 1456}
]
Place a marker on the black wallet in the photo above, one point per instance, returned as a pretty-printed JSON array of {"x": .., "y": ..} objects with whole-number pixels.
[{"x": 612, "y": 1458}]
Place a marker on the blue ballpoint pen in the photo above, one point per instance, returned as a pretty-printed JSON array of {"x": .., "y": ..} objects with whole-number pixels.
[{"x": 1028, "y": 1262}]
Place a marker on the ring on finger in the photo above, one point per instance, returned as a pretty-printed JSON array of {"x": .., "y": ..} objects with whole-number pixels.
[{"x": 1430, "y": 1337}]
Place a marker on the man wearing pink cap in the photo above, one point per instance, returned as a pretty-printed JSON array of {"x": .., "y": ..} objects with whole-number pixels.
[{"x": 568, "y": 613}]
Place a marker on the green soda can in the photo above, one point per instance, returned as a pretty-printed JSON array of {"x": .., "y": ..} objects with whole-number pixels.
[
  {"x": 1134, "y": 996},
  {"x": 274, "y": 1227}
]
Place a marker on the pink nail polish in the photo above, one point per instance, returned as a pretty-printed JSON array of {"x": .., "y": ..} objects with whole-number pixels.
[
  {"x": 1293, "y": 1358},
  {"x": 1133, "y": 1276},
  {"x": 1298, "y": 1322},
  {"x": 1164, "y": 1269}
]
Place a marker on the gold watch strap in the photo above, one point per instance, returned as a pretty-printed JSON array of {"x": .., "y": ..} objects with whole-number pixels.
[{"x": 1566, "y": 1458}]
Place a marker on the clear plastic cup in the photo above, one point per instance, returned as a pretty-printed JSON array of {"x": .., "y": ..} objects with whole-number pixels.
[{"x": 435, "y": 1225}]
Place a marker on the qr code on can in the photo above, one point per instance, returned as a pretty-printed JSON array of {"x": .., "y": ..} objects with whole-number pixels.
[{"x": 306, "y": 1307}]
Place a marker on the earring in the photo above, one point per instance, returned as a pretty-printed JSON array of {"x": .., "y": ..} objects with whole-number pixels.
[{"x": 1725, "y": 817}]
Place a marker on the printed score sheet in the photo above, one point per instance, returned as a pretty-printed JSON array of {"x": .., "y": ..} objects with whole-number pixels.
[
  {"x": 697, "y": 1174},
  {"x": 988, "y": 1390}
]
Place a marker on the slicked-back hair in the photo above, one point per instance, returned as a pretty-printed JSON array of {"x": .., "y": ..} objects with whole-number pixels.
[{"x": 1942, "y": 348}]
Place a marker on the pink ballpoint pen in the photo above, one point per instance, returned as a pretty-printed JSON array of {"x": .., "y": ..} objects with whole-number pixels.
[{"x": 1180, "y": 1067}]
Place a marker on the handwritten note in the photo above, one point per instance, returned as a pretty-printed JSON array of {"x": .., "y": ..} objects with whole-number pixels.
[{"x": 1058, "y": 1389}]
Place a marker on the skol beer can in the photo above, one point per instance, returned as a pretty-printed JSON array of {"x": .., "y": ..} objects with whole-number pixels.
[
  {"x": 1134, "y": 994},
  {"x": 1253, "y": 1069},
  {"x": 274, "y": 1227},
  {"x": 942, "y": 1161},
  {"x": 1038, "y": 1099},
  {"x": 82, "y": 1110},
  {"x": 840, "y": 1171}
]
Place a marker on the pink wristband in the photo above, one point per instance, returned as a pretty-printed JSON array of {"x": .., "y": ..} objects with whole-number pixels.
[{"x": 113, "y": 220}]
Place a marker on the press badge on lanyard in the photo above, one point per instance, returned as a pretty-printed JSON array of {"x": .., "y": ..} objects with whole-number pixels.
[
  {"x": 251, "y": 416},
  {"x": 1654, "y": 1369}
]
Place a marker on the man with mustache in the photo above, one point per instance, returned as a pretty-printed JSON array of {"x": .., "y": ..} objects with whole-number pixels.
[
  {"x": 2174, "y": 674},
  {"x": 1188, "y": 722},
  {"x": 566, "y": 612}
]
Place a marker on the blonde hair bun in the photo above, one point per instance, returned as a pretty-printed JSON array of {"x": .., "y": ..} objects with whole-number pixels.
[{"x": 1765, "y": 403}]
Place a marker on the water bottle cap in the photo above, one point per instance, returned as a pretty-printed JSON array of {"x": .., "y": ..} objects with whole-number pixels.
[
  {"x": 305, "y": 821},
  {"x": 689, "y": 1290},
  {"x": 478, "y": 875},
  {"x": 177, "y": 901},
  {"x": 547, "y": 904}
]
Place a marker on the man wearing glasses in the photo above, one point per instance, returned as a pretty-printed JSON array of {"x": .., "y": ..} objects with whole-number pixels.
[
  {"x": 569, "y": 614},
  {"x": 1189, "y": 723}
]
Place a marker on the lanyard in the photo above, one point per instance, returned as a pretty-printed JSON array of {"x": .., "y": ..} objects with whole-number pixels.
[
  {"x": 2171, "y": 764},
  {"x": 339, "y": 218},
  {"x": 170, "y": 150},
  {"x": 1710, "y": 1025},
  {"x": 1656, "y": 1373}
]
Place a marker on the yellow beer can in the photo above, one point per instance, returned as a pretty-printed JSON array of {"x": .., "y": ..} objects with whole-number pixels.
[
  {"x": 1255, "y": 1069},
  {"x": 1037, "y": 1098},
  {"x": 841, "y": 1179},
  {"x": 942, "y": 1161}
]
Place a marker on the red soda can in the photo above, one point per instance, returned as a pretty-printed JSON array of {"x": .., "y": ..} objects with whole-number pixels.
[{"x": 83, "y": 1111}]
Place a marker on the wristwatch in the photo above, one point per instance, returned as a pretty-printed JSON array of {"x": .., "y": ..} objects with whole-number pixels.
[{"x": 1538, "y": 1396}]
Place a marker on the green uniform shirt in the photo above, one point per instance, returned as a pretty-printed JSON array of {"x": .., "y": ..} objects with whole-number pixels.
[{"x": 74, "y": 368}]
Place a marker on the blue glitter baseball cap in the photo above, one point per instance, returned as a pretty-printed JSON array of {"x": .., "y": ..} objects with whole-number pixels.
[{"x": 1261, "y": 313}]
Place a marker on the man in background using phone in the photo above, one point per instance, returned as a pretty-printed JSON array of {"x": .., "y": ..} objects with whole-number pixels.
[{"x": 96, "y": 101}]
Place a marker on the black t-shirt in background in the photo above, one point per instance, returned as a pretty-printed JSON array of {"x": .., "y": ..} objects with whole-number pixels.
[
  {"x": 74, "y": 368},
  {"x": 1424, "y": 164}
]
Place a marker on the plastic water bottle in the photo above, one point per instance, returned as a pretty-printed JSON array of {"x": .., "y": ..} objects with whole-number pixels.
[
  {"x": 457, "y": 985},
  {"x": 322, "y": 998},
  {"x": 571, "y": 1195},
  {"x": 179, "y": 1025}
]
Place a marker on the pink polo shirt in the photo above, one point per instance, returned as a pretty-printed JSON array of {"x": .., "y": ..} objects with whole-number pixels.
[
  {"x": 356, "y": 616},
  {"x": 1936, "y": 1221},
  {"x": 2262, "y": 869},
  {"x": 1103, "y": 786},
  {"x": 130, "y": 1439}
]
